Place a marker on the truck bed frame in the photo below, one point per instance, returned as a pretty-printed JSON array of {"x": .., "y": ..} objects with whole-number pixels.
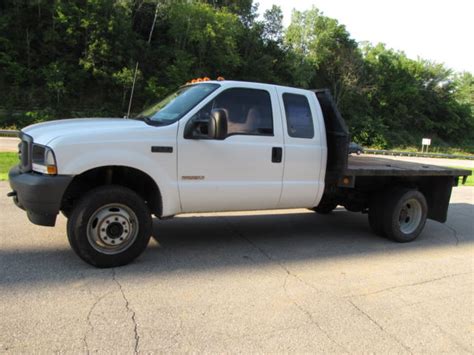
[{"x": 353, "y": 181}]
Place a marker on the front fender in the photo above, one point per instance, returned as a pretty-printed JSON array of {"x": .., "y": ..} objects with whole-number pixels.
[{"x": 160, "y": 167}]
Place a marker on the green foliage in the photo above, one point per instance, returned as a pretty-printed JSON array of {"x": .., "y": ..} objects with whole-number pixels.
[
  {"x": 7, "y": 161},
  {"x": 77, "y": 58}
]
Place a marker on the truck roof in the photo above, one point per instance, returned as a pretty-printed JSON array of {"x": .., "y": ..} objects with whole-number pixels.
[{"x": 235, "y": 83}]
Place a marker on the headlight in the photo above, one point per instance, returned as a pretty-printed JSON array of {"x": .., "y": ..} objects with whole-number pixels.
[{"x": 43, "y": 160}]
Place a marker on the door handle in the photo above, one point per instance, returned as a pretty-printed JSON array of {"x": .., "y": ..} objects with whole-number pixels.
[{"x": 277, "y": 153}]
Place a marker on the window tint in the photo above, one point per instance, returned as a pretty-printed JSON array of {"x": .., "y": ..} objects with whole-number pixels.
[
  {"x": 249, "y": 111},
  {"x": 298, "y": 116}
]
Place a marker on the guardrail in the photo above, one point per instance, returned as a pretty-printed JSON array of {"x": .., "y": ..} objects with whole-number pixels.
[
  {"x": 416, "y": 154},
  {"x": 9, "y": 133}
]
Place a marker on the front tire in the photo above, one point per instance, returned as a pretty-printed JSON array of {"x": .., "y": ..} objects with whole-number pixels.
[
  {"x": 405, "y": 215},
  {"x": 110, "y": 226}
]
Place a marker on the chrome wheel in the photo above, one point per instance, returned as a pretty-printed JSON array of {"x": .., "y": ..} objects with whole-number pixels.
[
  {"x": 112, "y": 228},
  {"x": 410, "y": 216}
]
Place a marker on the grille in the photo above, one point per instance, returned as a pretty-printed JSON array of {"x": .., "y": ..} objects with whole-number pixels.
[{"x": 24, "y": 152}]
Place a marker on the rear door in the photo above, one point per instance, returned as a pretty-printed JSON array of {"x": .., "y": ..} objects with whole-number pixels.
[
  {"x": 305, "y": 148},
  {"x": 240, "y": 172}
]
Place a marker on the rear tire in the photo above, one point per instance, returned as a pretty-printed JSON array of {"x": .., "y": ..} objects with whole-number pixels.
[
  {"x": 110, "y": 226},
  {"x": 405, "y": 215}
]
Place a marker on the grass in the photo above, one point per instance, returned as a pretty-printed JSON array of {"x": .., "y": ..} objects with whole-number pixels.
[{"x": 7, "y": 160}]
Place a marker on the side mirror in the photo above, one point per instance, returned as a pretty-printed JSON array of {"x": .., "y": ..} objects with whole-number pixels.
[
  {"x": 217, "y": 128},
  {"x": 213, "y": 126}
]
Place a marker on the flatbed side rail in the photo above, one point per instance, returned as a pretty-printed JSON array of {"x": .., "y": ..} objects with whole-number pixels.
[{"x": 417, "y": 154}]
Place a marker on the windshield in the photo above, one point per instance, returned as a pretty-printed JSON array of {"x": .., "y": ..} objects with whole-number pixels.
[{"x": 176, "y": 105}]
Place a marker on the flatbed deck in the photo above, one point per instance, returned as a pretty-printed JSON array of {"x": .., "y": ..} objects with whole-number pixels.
[{"x": 374, "y": 166}]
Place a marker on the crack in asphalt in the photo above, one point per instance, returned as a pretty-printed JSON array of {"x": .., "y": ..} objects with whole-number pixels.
[
  {"x": 130, "y": 310},
  {"x": 428, "y": 318},
  {"x": 455, "y": 232},
  {"x": 409, "y": 285},
  {"x": 175, "y": 335},
  {"x": 89, "y": 291},
  {"x": 380, "y": 327},
  {"x": 268, "y": 256},
  {"x": 91, "y": 326},
  {"x": 307, "y": 313}
]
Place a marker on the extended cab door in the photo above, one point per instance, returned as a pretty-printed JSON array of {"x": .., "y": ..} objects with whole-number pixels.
[
  {"x": 244, "y": 170},
  {"x": 305, "y": 149}
]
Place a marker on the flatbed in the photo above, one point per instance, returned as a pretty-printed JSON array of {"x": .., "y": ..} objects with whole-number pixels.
[{"x": 374, "y": 166}]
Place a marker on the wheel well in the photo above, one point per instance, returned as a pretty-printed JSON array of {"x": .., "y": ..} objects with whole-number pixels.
[
  {"x": 436, "y": 189},
  {"x": 132, "y": 178}
]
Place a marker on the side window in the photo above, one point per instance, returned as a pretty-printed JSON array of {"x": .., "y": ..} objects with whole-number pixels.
[
  {"x": 298, "y": 116},
  {"x": 249, "y": 111}
]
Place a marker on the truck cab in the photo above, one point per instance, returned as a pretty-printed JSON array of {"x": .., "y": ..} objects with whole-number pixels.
[
  {"x": 209, "y": 146},
  {"x": 257, "y": 159}
]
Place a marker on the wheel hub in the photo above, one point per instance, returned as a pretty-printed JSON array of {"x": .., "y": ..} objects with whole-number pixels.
[
  {"x": 112, "y": 228},
  {"x": 410, "y": 216}
]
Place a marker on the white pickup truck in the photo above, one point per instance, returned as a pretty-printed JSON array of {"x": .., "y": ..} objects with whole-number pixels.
[{"x": 213, "y": 146}]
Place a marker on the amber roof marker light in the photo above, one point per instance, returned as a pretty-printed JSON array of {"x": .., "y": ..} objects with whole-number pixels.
[{"x": 200, "y": 80}]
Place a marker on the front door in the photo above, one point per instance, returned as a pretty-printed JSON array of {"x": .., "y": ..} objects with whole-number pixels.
[{"x": 242, "y": 171}]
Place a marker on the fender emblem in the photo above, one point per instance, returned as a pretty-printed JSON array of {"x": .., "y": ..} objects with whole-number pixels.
[{"x": 191, "y": 177}]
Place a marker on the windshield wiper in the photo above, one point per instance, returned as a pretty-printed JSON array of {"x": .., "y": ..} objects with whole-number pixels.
[{"x": 152, "y": 122}]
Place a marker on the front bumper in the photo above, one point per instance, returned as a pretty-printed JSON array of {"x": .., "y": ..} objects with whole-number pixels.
[{"x": 39, "y": 195}]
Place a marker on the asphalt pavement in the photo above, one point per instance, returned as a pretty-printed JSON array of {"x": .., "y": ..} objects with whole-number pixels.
[
  {"x": 270, "y": 281},
  {"x": 9, "y": 144}
]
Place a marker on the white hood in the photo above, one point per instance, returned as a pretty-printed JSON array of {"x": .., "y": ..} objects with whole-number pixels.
[{"x": 44, "y": 133}]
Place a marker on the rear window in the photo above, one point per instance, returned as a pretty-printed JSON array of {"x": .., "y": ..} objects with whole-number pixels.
[{"x": 298, "y": 116}]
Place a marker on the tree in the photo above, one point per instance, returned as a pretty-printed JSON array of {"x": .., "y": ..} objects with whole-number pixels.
[
  {"x": 327, "y": 46},
  {"x": 77, "y": 58},
  {"x": 273, "y": 24}
]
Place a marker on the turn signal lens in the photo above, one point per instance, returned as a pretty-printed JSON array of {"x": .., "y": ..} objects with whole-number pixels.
[{"x": 52, "y": 170}]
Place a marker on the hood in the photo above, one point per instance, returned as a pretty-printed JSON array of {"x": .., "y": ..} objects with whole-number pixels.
[{"x": 44, "y": 133}]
